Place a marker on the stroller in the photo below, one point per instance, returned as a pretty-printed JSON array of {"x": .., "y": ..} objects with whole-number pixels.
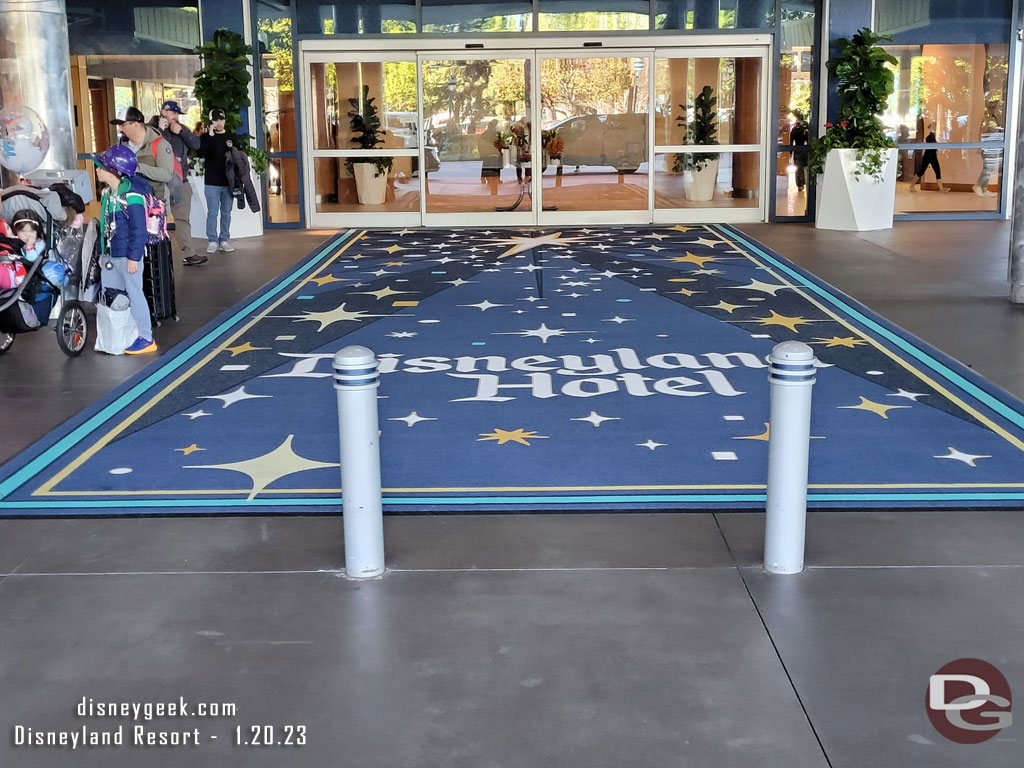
[{"x": 28, "y": 306}]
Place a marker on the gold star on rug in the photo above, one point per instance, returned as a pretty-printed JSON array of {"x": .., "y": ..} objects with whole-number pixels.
[
  {"x": 725, "y": 306},
  {"x": 510, "y": 436},
  {"x": 357, "y": 257},
  {"x": 325, "y": 280},
  {"x": 329, "y": 318},
  {"x": 690, "y": 258},
  {"x": 687, "y": 292},
  {"x": 763, "y": 437},
  {"x": 845, "y": 341},
  {"x": 242, "y": 349},
  {"x": 394, "y": 264},
  {"x": 683, "y": 280},
  {"x": 681, "y": 228},
  {"x": 190, "y": 450},
  {"x": 786, "y": 322},
  {"x": 392, "y": 249},
  {"x": 270, "y": 467},
  {"x": 873, "y": 407}
]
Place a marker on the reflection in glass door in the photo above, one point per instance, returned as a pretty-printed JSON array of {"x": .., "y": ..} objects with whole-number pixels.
[
  {"x": 594, "y": 140},
  {"x": 477, "y": 139},
  {"x": 709, "y": 135}
]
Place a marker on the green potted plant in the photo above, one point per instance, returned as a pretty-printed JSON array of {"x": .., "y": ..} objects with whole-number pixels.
[
  {"x": 703, "y": 131},
  {"x": 371, "y": 173},
  {"x": 855, "y": 160}
]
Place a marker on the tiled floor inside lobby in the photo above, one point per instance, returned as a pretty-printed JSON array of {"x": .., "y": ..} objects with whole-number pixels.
[{"x": 568, "y": 640}]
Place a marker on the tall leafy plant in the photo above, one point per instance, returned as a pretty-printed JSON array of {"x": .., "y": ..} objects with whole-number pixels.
[
  {"x": 866, "y": 80},
  {"x": 365, "y": 125},
  {"x": 223, "y": 83},
  {"x": 703, "y": 131}
]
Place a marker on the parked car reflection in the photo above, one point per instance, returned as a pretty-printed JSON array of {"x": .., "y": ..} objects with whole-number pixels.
[{"x": 619, "y": 141}]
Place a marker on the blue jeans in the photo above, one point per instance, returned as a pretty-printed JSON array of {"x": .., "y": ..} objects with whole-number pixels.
[{"x": 218, "y": 199}]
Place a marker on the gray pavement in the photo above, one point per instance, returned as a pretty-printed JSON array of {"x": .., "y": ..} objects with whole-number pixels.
[{"x": 525, "y": 640}]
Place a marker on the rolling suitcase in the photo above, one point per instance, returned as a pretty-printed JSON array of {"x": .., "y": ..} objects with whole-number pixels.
[{"x": 158, "y": 281}]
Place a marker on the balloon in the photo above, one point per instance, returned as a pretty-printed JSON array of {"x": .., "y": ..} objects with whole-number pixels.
[{"x": 24, "y": 140}]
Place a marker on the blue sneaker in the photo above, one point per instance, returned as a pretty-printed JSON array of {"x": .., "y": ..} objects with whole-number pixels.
[{"x": 141, "y": 346}]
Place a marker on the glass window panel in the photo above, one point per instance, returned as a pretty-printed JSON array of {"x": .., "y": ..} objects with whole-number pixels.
[
  {"x": 392, "y": 86},
  {"x": 707, "y": 180},
  {"x": 593, "y": 15},
  {"x": 283, "y": 190},
  {"x": 277, "y": 79},
  {"x": 944, "y": 21},
  {"x": 363, "y": 17},
  {"x": 972, "y": 179},
  {"x": 460, "y": 17},
  {"x": 791, "y": 183},
  {"x": 714, "y": 14},
  {"x": 98, "y": 26},
  {"x": 796, "y": 72},
  {"x": 736, "y": 86},
  {"x": 477, "y": 135},
  {"x": 336, "y": 187},
  {"x": 959, "y": 88},
  {"x": 596, "y": 112}
]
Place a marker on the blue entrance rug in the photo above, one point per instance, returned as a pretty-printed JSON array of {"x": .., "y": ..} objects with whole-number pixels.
[{"x": 533, "y": 370}]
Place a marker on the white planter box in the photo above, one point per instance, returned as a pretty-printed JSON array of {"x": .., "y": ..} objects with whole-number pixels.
[
  {"x": 370, "y": 189},
  {"x": 847, "y": 203},
  {"x": 702, "y": 188},
  {"x": 244, "y": 223}
]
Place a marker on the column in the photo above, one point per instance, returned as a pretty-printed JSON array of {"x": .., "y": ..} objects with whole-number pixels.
[
  {"x": 745, "y": 170},
  {"x": 34, "y": 57}
]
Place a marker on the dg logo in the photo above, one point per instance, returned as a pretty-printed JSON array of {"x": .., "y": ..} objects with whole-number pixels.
[{"x": 968, "y": 701}]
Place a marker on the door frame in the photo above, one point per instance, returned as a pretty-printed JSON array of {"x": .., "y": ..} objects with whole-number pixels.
[
  {"x": 532, "y": 47},
  {"x": 514, "y": 218}
]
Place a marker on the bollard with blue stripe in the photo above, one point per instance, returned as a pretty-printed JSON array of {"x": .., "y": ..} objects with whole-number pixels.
[
  {"x": 356, "y": 379},
  {"x": 791, "y": 373}
]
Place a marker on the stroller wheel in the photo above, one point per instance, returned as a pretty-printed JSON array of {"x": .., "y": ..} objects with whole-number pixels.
[
  {"x": 6, "y": 340},
  {"x": 72, "y": 329}
]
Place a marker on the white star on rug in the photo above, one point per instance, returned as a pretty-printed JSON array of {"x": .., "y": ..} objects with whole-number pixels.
[
  {"x": 413, "y": 419},
  {"x": 619, "y": 320},
  {"x": 966, "y": 458},
  {"x": 484, "y": 305},
  {"x": 543, "y": 333},
  {"x": 267, "y": 469},
  {"x": 401, "y": 334},
  {"x": 196, "y": 414},
  {"x": 909, "y": 395},
  {"x": 596, "y": 420},
  {"x": 651, "y": 444},
  {"x": 521, "y": 244},
  {"x": 231, "y": 398}
]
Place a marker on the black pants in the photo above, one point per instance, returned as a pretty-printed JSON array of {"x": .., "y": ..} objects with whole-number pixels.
[{"x": 930, "y": 159}]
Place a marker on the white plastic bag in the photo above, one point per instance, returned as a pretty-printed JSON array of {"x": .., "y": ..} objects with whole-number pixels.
[{"x": 115, "y": 329}]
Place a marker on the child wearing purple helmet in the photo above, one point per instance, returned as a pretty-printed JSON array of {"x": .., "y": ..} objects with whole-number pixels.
[{"x": 123, "y": 235}]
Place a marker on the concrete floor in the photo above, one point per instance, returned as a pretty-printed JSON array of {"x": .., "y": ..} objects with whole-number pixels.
[{"x": 568, "y": 640}]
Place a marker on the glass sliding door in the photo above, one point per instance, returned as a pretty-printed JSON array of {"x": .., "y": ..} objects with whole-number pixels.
[
  {"x": 351, "y": 175},
  {"x": 477, "y": 138},
  {"x": 594, "y": 147},
  {"x": 710, "y": 135}
]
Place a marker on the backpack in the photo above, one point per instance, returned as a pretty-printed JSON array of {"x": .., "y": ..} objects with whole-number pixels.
[
  {"x": 156, "y": 219},
  {"x": 174, "y": 186}
]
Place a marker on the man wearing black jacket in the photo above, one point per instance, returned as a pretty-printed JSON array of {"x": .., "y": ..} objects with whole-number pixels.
[
  {"x": 213, "y": 148},
  {"x": 181, "y": 140}
]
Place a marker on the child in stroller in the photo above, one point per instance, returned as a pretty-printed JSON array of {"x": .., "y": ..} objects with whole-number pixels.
[{"x": 28, "y": 228}]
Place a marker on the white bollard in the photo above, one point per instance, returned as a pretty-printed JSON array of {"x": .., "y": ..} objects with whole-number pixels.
[
  {"x": 356, "y": 379},
  {"x": 791, "y": 373}
]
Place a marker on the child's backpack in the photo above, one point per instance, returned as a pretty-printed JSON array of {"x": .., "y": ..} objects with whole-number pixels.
[
  {"x": 174, "y": 186},
  {"x": 156, "y": 219}
]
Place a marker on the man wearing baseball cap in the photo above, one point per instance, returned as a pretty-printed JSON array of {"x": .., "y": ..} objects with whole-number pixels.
[
  {"x": 155, "y": 163},
  {"x": 181, "y": 140},
  {"x": 213, "y": 148}
]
